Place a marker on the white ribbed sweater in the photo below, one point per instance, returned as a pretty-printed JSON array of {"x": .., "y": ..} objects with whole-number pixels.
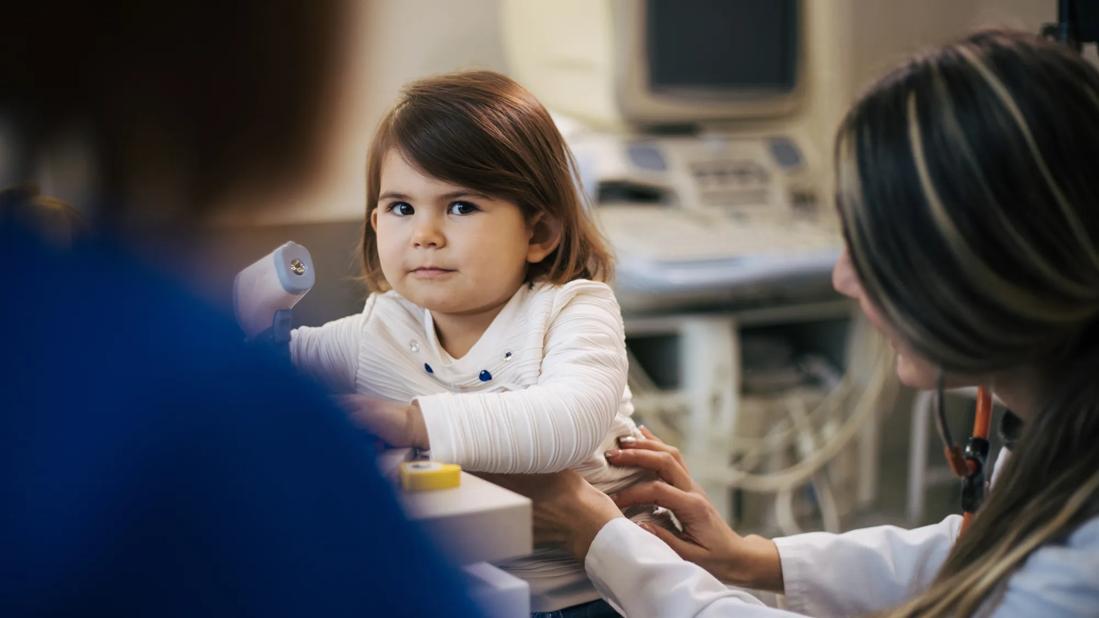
[{"x": 557, "y": 396}]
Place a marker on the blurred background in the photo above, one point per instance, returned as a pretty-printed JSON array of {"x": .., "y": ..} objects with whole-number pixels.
[{"x": 714, "y": 190}]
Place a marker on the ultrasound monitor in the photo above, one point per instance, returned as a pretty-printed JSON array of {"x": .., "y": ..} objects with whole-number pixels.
[{"x": 659, "y": 62}]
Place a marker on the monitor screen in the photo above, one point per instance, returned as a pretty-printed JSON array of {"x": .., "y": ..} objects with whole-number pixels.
[{"x": 722, "y": 47}]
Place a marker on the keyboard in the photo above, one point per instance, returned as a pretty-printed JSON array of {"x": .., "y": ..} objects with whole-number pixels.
[{"x": 664, "y": 249}]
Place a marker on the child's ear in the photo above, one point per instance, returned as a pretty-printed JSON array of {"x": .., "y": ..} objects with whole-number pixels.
[
  {"x": 374, "y": 219},
  {"x": 545, "y": 235}
]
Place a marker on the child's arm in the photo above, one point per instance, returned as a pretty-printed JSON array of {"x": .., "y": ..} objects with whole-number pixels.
[
  {"x": 555, "y": 424},
  {"x": 330, "y": 353}
]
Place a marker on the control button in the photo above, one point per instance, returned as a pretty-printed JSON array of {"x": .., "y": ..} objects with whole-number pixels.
[
  {"x": 647, "y": 157},
  {"x": 785, "y": 152}
]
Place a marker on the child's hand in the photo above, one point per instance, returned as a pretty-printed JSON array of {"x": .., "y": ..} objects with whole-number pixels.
[{"x": 398, "y": 424}]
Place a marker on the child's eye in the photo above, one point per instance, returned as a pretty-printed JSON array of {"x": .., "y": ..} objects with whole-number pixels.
[
  {"x": 401, "y": 209},
  {"x": 462, "y": 208}
]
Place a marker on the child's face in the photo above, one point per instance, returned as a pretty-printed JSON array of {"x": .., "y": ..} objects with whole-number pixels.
[{"x": 445, "y": 247}]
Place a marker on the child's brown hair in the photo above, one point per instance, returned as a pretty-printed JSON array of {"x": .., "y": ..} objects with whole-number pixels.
[{"x": 483, "y": 131}]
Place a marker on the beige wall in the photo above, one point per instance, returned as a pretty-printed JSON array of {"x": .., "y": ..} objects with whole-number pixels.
[
  {"x": 396, "y": 41},
  {"x": 886, "y": 31},
  {"x": 416, "y": 38}
]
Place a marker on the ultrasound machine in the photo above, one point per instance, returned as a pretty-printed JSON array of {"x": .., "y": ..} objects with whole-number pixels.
[{"x": 695, "y": 129}]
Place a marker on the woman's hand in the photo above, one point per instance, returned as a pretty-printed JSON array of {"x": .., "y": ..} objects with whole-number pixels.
[
  {"x": 567, "y": 509},
  {"x": 707, "y": 540},
  {"x": 398, "y": 424}
]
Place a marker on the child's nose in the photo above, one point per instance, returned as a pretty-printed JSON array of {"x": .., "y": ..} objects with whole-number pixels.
[{"x": 428, "y": 233}]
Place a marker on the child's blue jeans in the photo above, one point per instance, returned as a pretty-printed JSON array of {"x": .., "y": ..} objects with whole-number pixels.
[{"x": 595, "y": 609}]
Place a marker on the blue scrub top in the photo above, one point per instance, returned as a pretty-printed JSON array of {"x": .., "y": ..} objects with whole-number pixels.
[{"x": 150, "y": 464}]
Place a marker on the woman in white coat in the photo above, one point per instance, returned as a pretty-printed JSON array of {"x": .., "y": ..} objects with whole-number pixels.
[{"x": 967, "y": 188}]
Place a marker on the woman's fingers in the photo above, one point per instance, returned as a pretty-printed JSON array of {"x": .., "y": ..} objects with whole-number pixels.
[
  {"x": 650, "y": 443},
  {"x": 663, "y": 463},
  {"x": 686, "y": 549},
  {"x": 651, "y": 437},
  {"x": 661, "y": 494}
]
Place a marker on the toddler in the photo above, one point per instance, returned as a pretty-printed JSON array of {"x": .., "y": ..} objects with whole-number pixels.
[{"x": 490, "y": 337}]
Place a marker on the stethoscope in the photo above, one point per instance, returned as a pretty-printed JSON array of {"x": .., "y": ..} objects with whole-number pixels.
[{"x": 967, "y": 463}]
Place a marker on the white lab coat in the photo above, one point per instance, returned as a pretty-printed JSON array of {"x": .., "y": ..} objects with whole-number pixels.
[{"x": 824, "y": 574}]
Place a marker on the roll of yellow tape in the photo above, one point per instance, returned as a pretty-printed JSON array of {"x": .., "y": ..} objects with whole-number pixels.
[{"x": 429, "y": 475}]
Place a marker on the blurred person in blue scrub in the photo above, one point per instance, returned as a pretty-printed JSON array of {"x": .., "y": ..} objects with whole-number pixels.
[{"x": 150, "y": 464}]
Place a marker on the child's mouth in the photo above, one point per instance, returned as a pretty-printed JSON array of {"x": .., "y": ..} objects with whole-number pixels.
[{"x": 431, "y": 272}]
